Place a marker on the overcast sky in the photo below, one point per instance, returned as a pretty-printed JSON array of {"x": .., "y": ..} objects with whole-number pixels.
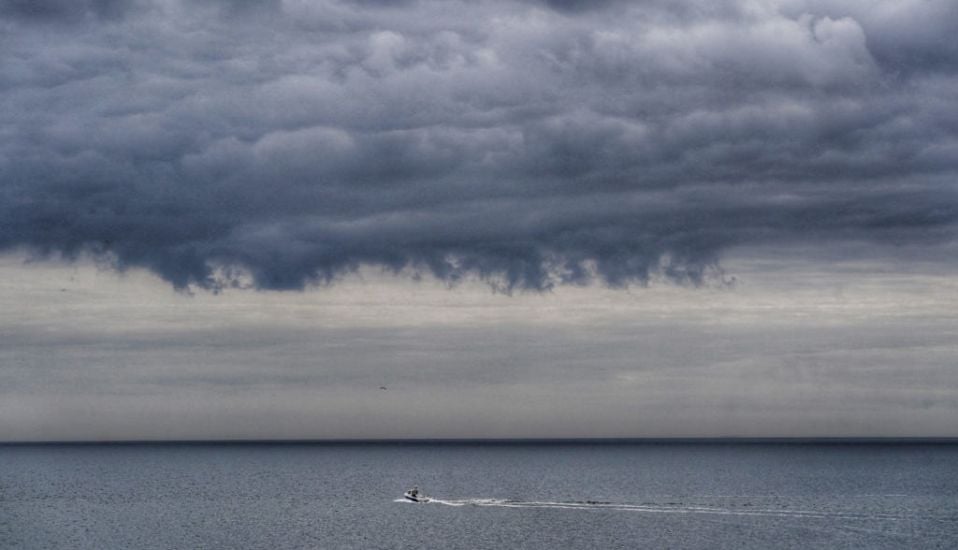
[{"x": 241, "y": 219}]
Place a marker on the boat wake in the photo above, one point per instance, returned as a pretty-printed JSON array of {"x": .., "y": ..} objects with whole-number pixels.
[{"x": 669, "y": 508}]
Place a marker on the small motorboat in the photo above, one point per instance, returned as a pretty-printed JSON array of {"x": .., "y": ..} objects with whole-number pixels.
[{"x": 415, "y": 495}]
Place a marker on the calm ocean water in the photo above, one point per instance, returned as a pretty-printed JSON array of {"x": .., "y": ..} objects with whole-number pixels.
[{"x": 688, "y": 495}]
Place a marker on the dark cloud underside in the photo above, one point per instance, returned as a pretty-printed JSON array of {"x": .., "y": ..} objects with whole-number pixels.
[{"x": 527, "y": 142}]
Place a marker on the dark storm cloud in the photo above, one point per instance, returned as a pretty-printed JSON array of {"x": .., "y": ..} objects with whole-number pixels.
[
  {"x": 527, "y": 142},
  {"x": 63, "y": 10}
]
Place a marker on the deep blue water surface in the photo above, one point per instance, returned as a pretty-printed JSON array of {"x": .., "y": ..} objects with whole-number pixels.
[{"x": 650, "y": 495}]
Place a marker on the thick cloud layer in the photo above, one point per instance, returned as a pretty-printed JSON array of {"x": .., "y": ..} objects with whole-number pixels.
[{"x": 529, "y": 143}]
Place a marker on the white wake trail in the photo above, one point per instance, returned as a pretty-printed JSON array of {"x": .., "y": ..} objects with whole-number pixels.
[{"x": 660, "y": 509}]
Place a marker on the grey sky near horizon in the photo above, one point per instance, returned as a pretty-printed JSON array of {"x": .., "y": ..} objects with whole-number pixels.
[
  {"x": 233, "y": 219},
  {"x": 795, "y": 348}
]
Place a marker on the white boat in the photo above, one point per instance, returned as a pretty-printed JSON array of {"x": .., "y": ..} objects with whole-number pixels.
[{"x": 415, "y": 495}]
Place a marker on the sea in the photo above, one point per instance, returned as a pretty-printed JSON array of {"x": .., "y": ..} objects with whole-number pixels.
[{"x": 503, "y": 494}]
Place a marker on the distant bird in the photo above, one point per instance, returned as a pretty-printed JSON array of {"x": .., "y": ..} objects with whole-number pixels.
[{"x": 383, "y": 388}]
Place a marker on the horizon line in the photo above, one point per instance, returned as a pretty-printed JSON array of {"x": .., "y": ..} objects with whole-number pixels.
[{"x": 949, "y": 440}]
